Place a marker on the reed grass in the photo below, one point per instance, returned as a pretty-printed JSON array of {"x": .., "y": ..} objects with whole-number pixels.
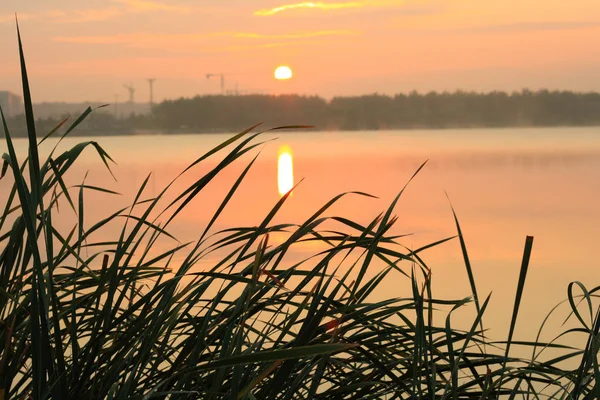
[{"x": 86, "y": 319}]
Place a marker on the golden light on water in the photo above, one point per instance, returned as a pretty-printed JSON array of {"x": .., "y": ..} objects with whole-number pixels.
[{"x": 285, "y": 171}]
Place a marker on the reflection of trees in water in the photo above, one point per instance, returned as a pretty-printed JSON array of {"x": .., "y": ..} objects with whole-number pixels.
[{"x": 527, "y": 160}]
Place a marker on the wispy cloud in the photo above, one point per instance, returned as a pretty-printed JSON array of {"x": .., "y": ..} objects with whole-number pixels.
[
  {"x": 322, "y": 5},
  {"x": 300, "y": 35},
  {"x": 508, "y": 28},
  {"x": 153, "y": 40},
  {"x": 537, "y": 26},
  {"x": 10, "y": 18},
  {"x": 92, "y": 15},
  {"x": 146, "y": 5},
  {"x": 118, "y": 8}
]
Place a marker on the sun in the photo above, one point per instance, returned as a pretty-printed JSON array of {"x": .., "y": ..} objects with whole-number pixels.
[{"x": 283, "y": 72}]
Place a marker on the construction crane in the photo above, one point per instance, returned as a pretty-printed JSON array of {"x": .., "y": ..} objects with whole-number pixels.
[
  {"x": 131, "y": 90},
  {"x": 151, "y": 83},
  {"x": 222, "y": 76}
]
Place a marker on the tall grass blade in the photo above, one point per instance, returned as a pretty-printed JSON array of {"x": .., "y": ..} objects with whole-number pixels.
[
  {"x": 517, "y": 304},
  {"x": 465, "y": 254}
]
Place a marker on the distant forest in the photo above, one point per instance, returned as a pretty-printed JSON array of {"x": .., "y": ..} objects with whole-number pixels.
[{"x": 460, "y": 109}]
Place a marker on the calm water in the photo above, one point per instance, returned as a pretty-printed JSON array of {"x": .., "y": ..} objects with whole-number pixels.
[{"x": 504, "y": 185}]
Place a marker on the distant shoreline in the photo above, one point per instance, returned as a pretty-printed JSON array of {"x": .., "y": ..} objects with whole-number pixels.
[
  {"x": 158, "y": 132},
  {"x": 413, "y": 111}
]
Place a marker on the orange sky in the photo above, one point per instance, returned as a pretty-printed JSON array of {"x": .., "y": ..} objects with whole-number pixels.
[{"x": 80, "y": 51}]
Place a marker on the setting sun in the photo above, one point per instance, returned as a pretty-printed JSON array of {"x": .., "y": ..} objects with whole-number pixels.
[
  {"x": 285, "y": 171},
  {"x": 283, "y": 72}
]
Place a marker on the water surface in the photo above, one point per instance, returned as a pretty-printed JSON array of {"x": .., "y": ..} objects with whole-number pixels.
[{"x": 504, "y": 184}]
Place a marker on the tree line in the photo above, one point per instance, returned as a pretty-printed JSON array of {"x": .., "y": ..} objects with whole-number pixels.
[
  {"x": 372, "y": 112},
  {"x": 434, "y": 110}
]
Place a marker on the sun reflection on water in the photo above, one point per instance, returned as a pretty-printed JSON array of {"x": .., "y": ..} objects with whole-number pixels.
[{"x": 285, "y": 171}]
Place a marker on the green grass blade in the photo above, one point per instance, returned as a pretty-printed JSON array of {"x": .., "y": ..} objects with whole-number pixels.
[{"x": 517, "y": 304}]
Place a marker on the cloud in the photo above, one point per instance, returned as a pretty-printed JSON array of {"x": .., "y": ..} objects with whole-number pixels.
[
  {"x": 300, "y": 35},
  {"x": 145, "y": 5},
  {"x": 516, "y": 27},
  {"x": 92, "y": 15},
  {"x": 10, "y": 18},
  {"x": 260, "y": 46},
  {"x": 118, "y": 8},
  {"x": 536, "y": 26},
  {"x": 321, "y": 5},
  {"x": 170, "y": 41}
]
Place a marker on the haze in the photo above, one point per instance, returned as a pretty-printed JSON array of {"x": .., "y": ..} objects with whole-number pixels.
[{"x": 86, "y": 52}]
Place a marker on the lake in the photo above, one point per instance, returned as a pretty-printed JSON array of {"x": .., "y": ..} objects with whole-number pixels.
[{"x": 504, "y": 184}]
